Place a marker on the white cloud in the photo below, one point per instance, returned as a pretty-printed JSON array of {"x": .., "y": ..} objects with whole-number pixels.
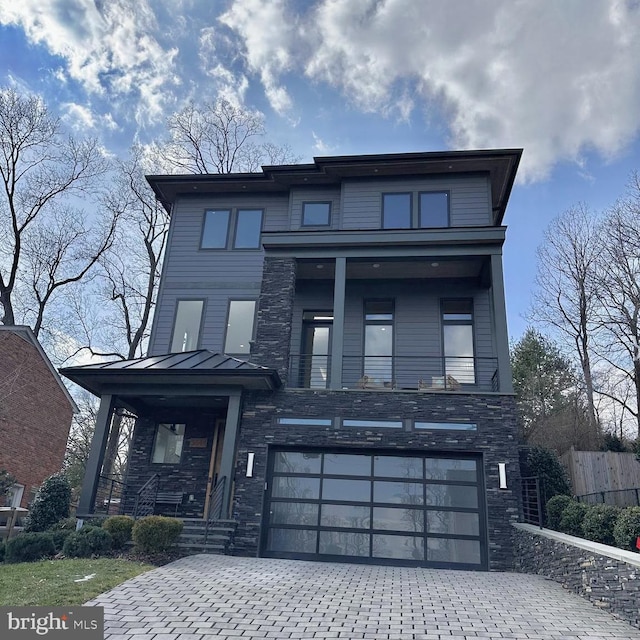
[
  {"x": 320, "y": 146},
  {"x": 558, "y": 78},
  {"x": 82, "y": 118},
  {"x": 110, "y": 48}
]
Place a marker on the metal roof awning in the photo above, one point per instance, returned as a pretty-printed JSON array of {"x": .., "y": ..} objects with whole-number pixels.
[{"x": 179, "y": 372}]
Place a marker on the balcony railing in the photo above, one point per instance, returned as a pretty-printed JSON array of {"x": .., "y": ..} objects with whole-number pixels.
[{"x": 418, "y": 373}]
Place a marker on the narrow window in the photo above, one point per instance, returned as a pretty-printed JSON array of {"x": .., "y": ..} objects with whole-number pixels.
[
  {"x": 186, "y": 330},
  {"x": 457, "y": 328},
  {"x": 434, "y": 209},
  {"x": 167, "y": 446},
  {"x": 316, "y": 214},
  {"x": 316, "y": 347},
  {"x": 248, "y": 228},
  {"x": 396, "y": 211},
  {"x": 378, "y": 342},
  {"x": 240, "y": 326},
  {"x": 215, "y": 229}
]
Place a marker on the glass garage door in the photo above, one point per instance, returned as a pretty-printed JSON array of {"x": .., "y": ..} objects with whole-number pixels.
[{"x": 417, "y": 510}]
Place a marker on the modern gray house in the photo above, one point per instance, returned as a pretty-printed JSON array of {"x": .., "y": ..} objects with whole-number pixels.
[{"x": 329, "y": 363}]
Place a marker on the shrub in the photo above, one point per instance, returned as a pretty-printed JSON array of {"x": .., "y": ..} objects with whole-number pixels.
[
  {"x": 572, "y": 517},
  {"x": 51, "y": 503},
  {"x": 68, "y": 524},
  {"x": 28, "y": 547},
  {"x": 155, "y": 534},
  {"x": 627, "y": 528},
  {"x": 598, "y": 523},
  {"x": 546, "y": 464},
  {"x": 120, "y": 529},
  {"x": 2, "y": 550},
  {"x": 89, "y": 541},
  {"x": 555, "y": 507},
  {"x": 59, "y": 537}
]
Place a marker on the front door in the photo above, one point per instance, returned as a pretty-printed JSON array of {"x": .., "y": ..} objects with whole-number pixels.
[
  {"x": 316, "y": 347},
  {"x": 214, "y": 464}
]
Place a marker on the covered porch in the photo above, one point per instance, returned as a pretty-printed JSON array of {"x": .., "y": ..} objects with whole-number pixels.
[{"x": 182, "y": 456}]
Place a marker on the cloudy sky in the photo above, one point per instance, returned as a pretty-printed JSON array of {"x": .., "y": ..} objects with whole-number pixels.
[{"x": 560, "y": 79}]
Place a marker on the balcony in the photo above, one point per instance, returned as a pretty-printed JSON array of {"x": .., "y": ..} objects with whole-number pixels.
[{"x": 414, "y": 373}]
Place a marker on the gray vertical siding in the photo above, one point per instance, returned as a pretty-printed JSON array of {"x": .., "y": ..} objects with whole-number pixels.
[
  {"x": 470, "y": 203},
  {"x": 213, "y": 275}
]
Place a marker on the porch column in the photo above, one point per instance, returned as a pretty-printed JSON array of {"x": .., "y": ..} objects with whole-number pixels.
[
  {"x": 337, "y": 340},
  {"x": 96, "y": 456},
  {"x": 229, "y": 450},
  {"x": 505, "y": 381}
]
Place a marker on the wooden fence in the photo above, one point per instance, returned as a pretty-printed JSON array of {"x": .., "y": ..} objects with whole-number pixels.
[{"x": 597, "y": 471}]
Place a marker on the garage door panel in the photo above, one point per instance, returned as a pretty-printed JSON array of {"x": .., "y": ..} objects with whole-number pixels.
[{"x": 411, "y": 509}]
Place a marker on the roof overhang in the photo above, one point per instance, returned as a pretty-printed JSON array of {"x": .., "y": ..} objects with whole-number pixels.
[{"x": 500, "y": 164}]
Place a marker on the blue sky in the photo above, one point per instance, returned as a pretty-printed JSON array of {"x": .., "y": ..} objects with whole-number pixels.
[{"x": 560, "y": 79}]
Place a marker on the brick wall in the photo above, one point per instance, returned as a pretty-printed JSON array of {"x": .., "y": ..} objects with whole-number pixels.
[
  {"x": 35, "y": 414},
  {"x": 608, "y": 582},
  {"x": 496, "y": 439}
]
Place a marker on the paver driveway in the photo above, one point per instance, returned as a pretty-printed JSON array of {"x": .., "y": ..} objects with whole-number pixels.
[{"x": 202, "y": 597}]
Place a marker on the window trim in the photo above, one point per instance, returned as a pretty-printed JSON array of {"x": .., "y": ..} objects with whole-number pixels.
[
  {"x": 396, "y": 193},
  {"x": 236, "y": 218},
  {"x": 419, "y": 221},
  {"x": 229, "y": 210},
  {"x": 309, "y": 225},
  {"x": 175, "y": 316},
  {"x": 466, "y": 323},
  {"x": 226, "y": 325},
  {"x": 153, "y": 446}
]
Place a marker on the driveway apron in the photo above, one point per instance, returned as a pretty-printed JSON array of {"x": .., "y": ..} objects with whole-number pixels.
[{"x": 208, "y": 596}]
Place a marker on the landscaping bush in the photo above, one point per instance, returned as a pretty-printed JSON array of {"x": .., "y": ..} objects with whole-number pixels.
[
  {"x": 120, "y": 528},
  {"x": 59, "y": 536},
  {"x": 627, "y": 528},
  {"x": 68, "y": 524},
  {"x": 598, "y": 523},
  {"x": 51, "y": 503},
  {"x": 28, "y": 547},
  {"x": 89, "y": 541},
  {"x": 2, "y": 550},
  {"x": 572, "y": 518},
  {"x": 555, "y": 508},
  {"x": 156, "y": 534}
]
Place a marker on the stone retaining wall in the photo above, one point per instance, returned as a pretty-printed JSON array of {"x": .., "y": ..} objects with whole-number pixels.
[{"x": 607, "y": 576}]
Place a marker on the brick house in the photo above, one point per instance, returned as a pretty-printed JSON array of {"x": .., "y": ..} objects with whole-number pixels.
[
  {"x": 35, "y": 412},
  {"x": 329, "y": 362}
]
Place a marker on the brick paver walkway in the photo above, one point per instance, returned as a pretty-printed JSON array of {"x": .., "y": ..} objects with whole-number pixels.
[{"x": 204, "y": 597}]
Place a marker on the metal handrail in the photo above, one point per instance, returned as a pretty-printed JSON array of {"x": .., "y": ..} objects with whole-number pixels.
[
  {"x": 109, "y": 492},
  {"x": 616, "y": 497},
  {"x": 215, "y": 510},
  {"x": 531, "y": 501},
  {"x": 146, "y": 498}
]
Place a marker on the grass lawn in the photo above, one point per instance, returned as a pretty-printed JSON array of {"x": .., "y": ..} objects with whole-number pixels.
[{"x": 51, "y": 582}]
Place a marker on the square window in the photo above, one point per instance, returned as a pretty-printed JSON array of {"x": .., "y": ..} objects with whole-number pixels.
[
  {"x": 248, "y": 228},
  {"x": 396, "y": 210},
  {"x": 215, "y": 229},
  {"x": 167, "y": 446},
  {"x": 434, "y": 209},
  {"x": 240, "y": 326},
  {"x": 316, "y": 214}
]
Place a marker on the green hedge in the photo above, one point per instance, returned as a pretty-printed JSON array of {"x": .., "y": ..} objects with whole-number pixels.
[
  {"x": 120, "y": 528},
  {"x": 89, "y": 541},
  {"x": 156, "y": 534},
  {"x": 598, "y": 523},
  {"x": 572, "y": 518},
  {"x": 627, "y": 528},
  {"x": 28, "y": 547},
  {"x": 555, "y": 509}
]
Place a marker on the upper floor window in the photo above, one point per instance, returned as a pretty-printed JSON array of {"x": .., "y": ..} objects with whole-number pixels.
[
  {"x": 186, "y": 328},
  {"x": 434, "y": 209},
  {"x": 378, "y": 340},
  {"x": 247, "y": 225},
  {"x": 396, "y": 210},
  {"x": 240, "y": 326},
  {"x": 316, "y": 214}
]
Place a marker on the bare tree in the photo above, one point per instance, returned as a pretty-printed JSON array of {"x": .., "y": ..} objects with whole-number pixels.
[
  {"x": 618, "y": 293},
  {"x": 40, "y": 169},
  {"x": 218, "y": 137},
  {"x": 565, "y": 298}
]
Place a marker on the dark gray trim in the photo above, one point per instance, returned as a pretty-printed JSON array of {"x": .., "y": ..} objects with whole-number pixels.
[
  {"x": 418, "y": 223},
  {"x": 226, "y": 238},
  {"x": 229, "y": 443},
  {"x": 226, "y": 324},
  {"x": 315, "y": 226},
  {"x": 500, "y": 330},
  {"x": 337, "y": 339},
  {"x": 96, "y": 456},
  {"x": 175, "y": 315}
]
